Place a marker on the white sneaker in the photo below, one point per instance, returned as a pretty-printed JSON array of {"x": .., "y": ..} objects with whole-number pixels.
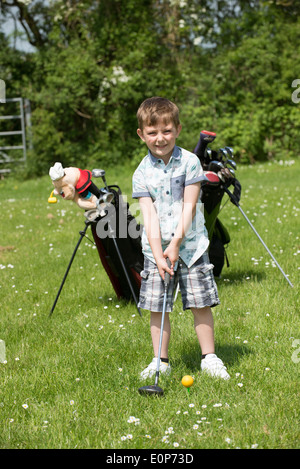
[
  {"x": 151, "y": 369},
  {"x": 214, "y": 366}
]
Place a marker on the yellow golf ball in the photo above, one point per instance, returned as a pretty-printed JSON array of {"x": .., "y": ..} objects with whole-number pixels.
[{"x": 187, "y": 381}]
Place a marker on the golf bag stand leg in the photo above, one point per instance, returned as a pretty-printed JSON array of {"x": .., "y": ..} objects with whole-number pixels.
[
  {"x": 82, "y": 234},
  {"x": 234, "y": 201}
]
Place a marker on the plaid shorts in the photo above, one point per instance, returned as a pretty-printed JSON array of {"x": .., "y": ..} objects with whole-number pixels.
[{"x": 197, "y": 286}]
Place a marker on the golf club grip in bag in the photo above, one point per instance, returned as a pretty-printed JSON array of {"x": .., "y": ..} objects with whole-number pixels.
[{"x": 129, "y": 248}]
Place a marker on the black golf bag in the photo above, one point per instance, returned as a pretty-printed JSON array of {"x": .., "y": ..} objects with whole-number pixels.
[
  {"x": 117, "y": 236},
  {"x": 212, "y": 194}
]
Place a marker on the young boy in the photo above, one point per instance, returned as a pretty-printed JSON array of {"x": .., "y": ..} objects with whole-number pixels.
[{"x": 167, "y": 185}]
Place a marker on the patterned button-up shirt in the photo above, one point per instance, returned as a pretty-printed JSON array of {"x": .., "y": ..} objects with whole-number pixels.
[{"x": 165, "y": 185}]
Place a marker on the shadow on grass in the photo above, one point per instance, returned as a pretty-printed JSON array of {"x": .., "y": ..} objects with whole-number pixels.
[{"x": 230, "y": 354}]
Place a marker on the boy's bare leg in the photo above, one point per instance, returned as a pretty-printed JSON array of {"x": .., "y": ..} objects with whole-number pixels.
[
  {"x": 204, "y": 327},
  {"x": 155, "y": 324}
]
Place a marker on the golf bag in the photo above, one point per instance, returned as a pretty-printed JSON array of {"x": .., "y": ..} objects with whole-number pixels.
[
  {"x": 117, "y": 237},
  {"x": 212, "y": 194},
  {"x": 119, "y": 223}
]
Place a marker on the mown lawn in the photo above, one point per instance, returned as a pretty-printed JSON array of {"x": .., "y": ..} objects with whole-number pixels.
[{"x": 71, "y": 381}]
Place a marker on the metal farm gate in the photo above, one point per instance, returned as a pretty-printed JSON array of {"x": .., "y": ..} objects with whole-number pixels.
[{"x": 10, "y": 152}]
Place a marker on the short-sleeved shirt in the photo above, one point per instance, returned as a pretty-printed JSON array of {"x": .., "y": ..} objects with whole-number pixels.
[{"x": 165, "y": 185}]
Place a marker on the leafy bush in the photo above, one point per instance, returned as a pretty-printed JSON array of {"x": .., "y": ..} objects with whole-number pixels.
[{"x": 229, "y": 69}]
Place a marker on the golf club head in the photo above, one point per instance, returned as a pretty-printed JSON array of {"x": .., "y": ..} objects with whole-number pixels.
[
  {"x": 106, "y": 196},
  {"x": 215, "y": 166},
  {"x": 104, "y": 200},
  {"x": 98, "y": 173},
  {"x": 208, "y": 154},
  {"x": 92, "y": 215},
  {"x": 230, "y": 151},
  {"x": 232, "y": 164},
  {"x": 223, "y": 153},
  {"x": 150, "y": 390}
]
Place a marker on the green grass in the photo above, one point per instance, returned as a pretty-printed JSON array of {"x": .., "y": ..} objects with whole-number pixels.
[{"x": 71, "y": 381}]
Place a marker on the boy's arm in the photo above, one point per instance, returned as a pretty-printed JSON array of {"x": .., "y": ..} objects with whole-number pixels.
[
  {"x": 190, "y": 199},
  {"x": 151, "y": 225}
]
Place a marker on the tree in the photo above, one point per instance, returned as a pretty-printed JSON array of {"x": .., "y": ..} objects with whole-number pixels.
[{"x": 225, "y": 64}]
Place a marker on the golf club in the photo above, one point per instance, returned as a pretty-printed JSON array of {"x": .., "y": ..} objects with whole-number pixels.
[
  {"x": 235, "y": 202},
  {"x": 231, "y": 163},
  {"x": 154, "y": 388},
  {"x": 208, "y": 154},
  {"x": 230, "y": 151},
  {"x": 215, "y": 166},
  {"x": 223, "y": 153},
  {"x": 100, "y": 173}
]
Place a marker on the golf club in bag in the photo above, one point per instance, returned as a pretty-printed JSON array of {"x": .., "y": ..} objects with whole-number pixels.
[
  {"x": 154, "y": 388},
  {"x": 219, "y": 169},
  {"x": 120, "y": 254},
  {"x": 212, "y": 194}
]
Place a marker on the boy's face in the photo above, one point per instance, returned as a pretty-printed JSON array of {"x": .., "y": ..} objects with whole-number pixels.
[{"x": 160, "y": 138}]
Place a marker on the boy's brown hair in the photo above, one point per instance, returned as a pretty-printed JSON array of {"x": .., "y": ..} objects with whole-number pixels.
[{"x": 154, "y": 109}]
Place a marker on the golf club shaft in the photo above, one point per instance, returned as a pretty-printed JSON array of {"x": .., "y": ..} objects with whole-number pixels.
[
  {"x": 105, "y": 183},
  {"x": 166, "y": 282},
  {"x": 161, "y": 336},
  {"x": 262, "y": 242}
]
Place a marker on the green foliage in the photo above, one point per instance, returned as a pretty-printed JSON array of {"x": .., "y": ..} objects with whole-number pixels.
[
  {"x": 249, "y": 100},
  {"x": 229, "y": 67}
]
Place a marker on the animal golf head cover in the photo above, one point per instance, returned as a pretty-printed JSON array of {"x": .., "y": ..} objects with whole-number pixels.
[{"x": 74, "y": 184}]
